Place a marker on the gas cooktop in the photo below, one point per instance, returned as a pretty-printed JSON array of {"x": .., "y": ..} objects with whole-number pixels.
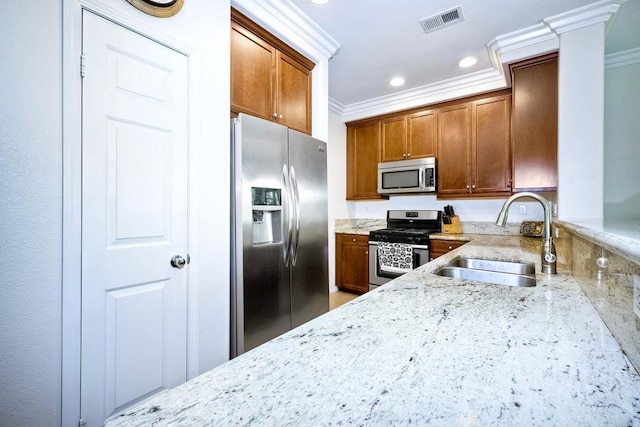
[{"x": 409, "y": 227}]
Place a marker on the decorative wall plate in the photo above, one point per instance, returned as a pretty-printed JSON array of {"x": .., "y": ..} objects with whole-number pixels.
[{"x": 158, "y": 8}]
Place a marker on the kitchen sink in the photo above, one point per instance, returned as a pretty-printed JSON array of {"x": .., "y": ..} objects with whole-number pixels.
[{"x": 509, "y": 273}]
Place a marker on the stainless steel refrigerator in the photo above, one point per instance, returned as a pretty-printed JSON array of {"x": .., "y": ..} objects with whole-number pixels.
[{"x": 279, "y": 255}]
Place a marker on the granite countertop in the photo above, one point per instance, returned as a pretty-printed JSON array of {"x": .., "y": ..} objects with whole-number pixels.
[
  {"x": 425, "y": 349},
  {"x": 620, "y": 237}
]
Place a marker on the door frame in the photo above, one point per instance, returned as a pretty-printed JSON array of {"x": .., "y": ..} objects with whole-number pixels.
[{"x": 72, "y": 190}]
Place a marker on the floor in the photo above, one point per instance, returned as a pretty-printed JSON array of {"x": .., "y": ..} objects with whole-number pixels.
[{"x": 336, "y": 299}]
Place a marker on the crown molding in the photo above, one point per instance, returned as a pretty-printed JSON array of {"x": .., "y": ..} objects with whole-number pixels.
[
  {"x": 459, "y": 87},
  {"x": 336, "y": 106},
  {"x": 289, "y": 23},
  {"x": 521, "y": 44},
  {"x": 585, "y": 16},
  {"x": 620, "y": 59}
]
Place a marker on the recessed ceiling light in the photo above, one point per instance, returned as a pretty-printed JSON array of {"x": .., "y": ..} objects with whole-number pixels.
[
  {"x": 320, "y": 1},
  {"x": 469, "y": 61},
  {"x": 396, "y": 81}
]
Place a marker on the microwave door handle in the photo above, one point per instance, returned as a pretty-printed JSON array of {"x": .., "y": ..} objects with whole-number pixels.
[{"x": 423, "y": 177}]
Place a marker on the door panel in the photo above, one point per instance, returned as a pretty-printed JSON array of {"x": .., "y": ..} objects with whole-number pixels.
[
  {"x": 134, "y": 219},
  {"x": 293, "y": 99},
  {"x": 454, "y": 149},
  {"x": 393, "y": 146},
  {"x": 423, "y": 134},
  {"x": 363, "y": 156},
  {"x": 252, "y": 64},
  {"x": 261, "y": 289},
  {"x": 310, "y": 272},
  {"x": 491, "y": 128}
]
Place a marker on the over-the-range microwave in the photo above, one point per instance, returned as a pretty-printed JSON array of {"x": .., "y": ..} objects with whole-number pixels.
[{"x": 407, "y": 176}]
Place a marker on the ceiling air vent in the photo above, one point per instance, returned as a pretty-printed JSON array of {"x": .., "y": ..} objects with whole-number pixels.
[{"x": 442, "y": 19}]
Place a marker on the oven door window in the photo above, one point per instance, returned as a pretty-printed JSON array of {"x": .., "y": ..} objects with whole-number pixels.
[{"x": 401, "y": 179}]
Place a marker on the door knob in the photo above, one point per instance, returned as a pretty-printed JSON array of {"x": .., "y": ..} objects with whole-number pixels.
[{"x": 178, "y": 262}]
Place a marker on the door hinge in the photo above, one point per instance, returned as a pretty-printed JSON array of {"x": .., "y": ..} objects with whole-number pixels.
[
  {"x": 83, "y": 65},
  {"x": 81, "y": 422}
]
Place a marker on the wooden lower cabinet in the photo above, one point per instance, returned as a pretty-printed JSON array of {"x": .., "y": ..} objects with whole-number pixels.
[
  {"x": 440, "y": 247},
  {"x": 352, "y": 262}
]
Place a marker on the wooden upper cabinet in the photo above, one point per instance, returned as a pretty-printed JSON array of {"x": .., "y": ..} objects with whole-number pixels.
[
  {"x": 474, "y": 148},
  {"x": 394, "y": 139},
  {"x": 490, "y": 149},
  {"x": 422, "y": 134},
  {"x": 252, "y": 61},
  {"x": 412, "y": 136},
  {"x": 363, "y": 156},
  {"x": 268, "y": 78},
  {"x": 293, "y": 96},
  {"x": 535, "y": 124},
  {"x": 454, "y": 149}
]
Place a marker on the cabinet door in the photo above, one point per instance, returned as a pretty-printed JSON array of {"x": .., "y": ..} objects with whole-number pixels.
[
  {"x": 394, "y": 139},
  {"x": 363, "y": 155},
  {"x": 252, "y": 61},
  {"x": 491, "y": 164},
  {"x": 352, "y": 262},
  {"x": 454, "y": 130},
  {"x": 422, "y": 134},
  {"x": 293, "y": 96},
  {"x": 535, "y": 126}
]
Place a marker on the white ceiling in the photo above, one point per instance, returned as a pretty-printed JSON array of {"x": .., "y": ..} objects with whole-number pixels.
[{"x": 381, "y": 39}]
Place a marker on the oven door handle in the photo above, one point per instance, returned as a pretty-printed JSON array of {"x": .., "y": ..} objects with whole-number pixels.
[{"x": 373, "y": 242}]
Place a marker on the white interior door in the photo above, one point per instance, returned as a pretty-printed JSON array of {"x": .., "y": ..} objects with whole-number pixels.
[{"x": 134, "y": 219}]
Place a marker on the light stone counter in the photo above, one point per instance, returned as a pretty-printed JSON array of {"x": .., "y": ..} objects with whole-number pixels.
[
  {"x": 620, "y": 237},
  {"x": 425, "y": 349},
  {"x": 358, "y": 226}
]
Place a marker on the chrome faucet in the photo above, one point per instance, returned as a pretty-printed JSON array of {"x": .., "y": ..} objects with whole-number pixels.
[{"x": 549, "y": 257}]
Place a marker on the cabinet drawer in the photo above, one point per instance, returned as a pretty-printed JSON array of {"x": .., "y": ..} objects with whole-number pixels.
[
  {"x": 441, "y": 247},
  {"x": 362, "y": 239}
]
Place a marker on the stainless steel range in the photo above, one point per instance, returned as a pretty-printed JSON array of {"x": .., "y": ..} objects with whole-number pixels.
[{"x": 402, "y": 246}]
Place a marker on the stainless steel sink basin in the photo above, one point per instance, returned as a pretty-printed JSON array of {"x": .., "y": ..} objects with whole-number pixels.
[
  {"x": 507, "y": 273},
  {"x": 513, "y": 267}
]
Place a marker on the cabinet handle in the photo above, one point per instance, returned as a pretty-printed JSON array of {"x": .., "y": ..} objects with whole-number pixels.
[
  {"x": 280, "y": 116},
  {"x": 450, "y": 247},
  {"x": 473, "y": 186},
  {"x": 355, "y": 240},
  {"x": 408, "y": 155},
  {"x": 367, "y": 253}
]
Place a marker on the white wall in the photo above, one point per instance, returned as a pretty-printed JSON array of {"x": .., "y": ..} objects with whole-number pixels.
[
  {"x": 31, "y": 190},
  {"x": 30, "y": 212},
  {"x": 336, "y": 184},
  {"x": 580, "y": 124},
  {"x": 622, "y": 143}
]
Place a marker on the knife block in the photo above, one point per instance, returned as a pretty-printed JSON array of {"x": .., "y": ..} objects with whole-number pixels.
[{"x": 454, "y": 228}]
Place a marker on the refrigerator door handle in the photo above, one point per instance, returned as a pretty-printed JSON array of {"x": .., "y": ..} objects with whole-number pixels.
[
  {"x": 295, "y": 239},
  {"x": 287, "y": 219}
]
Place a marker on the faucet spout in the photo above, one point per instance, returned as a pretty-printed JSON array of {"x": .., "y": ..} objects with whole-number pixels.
[{"x": 549, "y": 256}]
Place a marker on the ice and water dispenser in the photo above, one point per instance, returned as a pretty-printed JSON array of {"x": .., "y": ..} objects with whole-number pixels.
[{"x": 267, "y": 215}]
